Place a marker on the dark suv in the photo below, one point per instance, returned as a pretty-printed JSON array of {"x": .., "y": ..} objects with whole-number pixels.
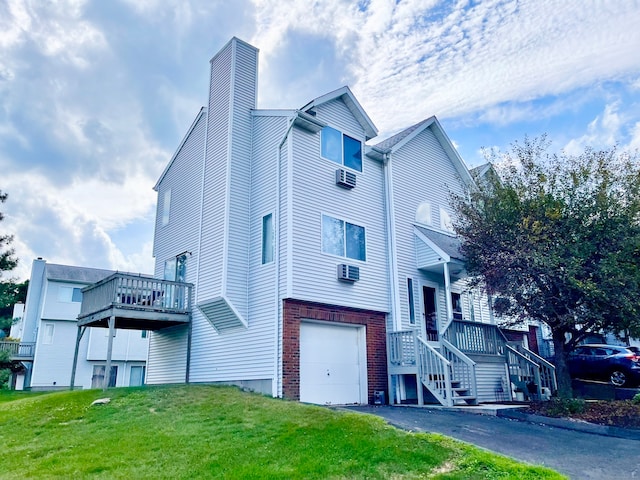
[{"x": 619, "y": 365}]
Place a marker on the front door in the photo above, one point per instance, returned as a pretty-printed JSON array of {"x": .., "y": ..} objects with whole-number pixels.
[{"x": 430, "y": 313}]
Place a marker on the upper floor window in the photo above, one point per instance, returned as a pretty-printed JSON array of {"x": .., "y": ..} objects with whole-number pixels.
[
  {"x": 343, "y": 238},
  {"x": 69, "y": 294},
  {"x": 423, "y": 213},
  {"x": 445, "y": 221},
  {"x": 267, "y": 239},
  {"x": 341, "y": 148},
  {"x": 166, "y": 207}
]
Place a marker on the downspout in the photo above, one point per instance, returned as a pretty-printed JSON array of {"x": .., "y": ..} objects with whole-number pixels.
[
  {"x": 277, "y": 384},
  {"x": 393, "y": 269}
]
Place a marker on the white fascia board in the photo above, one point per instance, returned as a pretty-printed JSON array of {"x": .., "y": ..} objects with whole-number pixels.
[
  {"x": 352, "y": 103},
  {"x": 203, "y": 110},
  {"x": 455, "y": 157}
]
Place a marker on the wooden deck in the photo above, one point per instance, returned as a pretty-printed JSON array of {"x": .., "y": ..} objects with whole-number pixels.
[
  {"x": 135, "y": 302},
  {"x": 18, "y": 351}
]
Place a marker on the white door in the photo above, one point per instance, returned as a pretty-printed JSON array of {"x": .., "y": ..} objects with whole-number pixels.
[{"x": 332, "y": 364}]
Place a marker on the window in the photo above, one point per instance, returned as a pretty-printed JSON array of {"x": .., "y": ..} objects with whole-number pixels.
[
  {"x": 445, "y": 221},
  {"x": 343, "y": 238},
  {"x": 267, "y": 239},
  {"x": 456, "y": 304},
  {"x": 341, "y": 148},
  {"x": 175, "y": 269},
  {"x": 49, "y": 329},
  {"x": 69, "y": 294},
  {"x": 97, "y": 379},
  {"x": 166, "y": 207},
  {"x": 423, "y": 213},
  {"x": 144, "y": 334},
  {"x": 136, "y": 378},
  {"x": 412, "y": 308}
]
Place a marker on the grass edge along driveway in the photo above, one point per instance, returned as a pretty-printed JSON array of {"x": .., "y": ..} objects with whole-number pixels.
[{"x": 201, "y": 431}]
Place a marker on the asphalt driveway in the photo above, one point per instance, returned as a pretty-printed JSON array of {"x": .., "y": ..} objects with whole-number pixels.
[{"x": 579, "y": 455}]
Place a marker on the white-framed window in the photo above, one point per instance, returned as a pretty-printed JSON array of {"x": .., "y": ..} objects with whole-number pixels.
[
  {"x": 144, "y": 334},
  {"x": 343, "y": 239},
  {"x": 69, "y": 294},
  {"x": 412, "y": 306},
  {"x": 423, "y": 213},
  {"x": 341, "y": 148},
  {"x": 97, "y": 379},
  {"x": 137, "y": 374},
  {"x": 47, "y": 336},
  {"x": 267, "y": 239},
  {"x": 445, "y": 221},
  {"x": 175, "y": 268},
  {"x": 456, "y": 305},
  {"x": 166, "y": 207}
]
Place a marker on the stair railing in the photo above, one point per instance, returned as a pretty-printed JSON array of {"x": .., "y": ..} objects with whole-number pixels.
[
  {"x": 523, "y": 370},
  {"x": 548, "y": 377},
  {"x": 463, "y": 369},
  {"x": 434, "y": 370}
]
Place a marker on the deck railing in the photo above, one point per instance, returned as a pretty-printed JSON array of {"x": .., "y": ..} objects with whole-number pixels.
[
  {"x": 475, "y": 338},
  {"x": 18, "y": 350},
  {"x": 402, "y": 347},
  {"x": 132, "y": 291},
  {"x": 524, "y": 372}
]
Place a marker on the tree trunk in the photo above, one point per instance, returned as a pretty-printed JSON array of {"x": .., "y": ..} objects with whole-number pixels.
[{"x": 562, "y": 371}]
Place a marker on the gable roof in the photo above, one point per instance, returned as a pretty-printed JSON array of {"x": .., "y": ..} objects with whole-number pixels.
[
  {"x": 203, "y": 110},
  {"x": 448, "y": 244},
  {"x": 397, "y": 141},
  {"x": 347, "y": 96}
]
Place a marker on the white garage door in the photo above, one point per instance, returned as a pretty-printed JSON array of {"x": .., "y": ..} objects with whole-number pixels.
[{"x": 332, "y": 364}]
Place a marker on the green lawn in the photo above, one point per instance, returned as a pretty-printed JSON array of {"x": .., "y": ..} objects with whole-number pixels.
[{"x": 220, "y": 432}]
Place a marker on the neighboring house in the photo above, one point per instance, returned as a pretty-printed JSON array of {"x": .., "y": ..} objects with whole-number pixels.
[
  {"x": 47, "y": 331},
  {"x": 324, "y": 270}
]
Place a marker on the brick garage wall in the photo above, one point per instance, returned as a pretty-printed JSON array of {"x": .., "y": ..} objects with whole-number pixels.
[{"x": 295, "y": 310}]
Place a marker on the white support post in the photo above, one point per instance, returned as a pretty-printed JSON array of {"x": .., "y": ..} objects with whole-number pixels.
[
  {"x": 107, "y": 373},
  {"x": 447, "y": 293},
  {"x": 75, "y": 356}
]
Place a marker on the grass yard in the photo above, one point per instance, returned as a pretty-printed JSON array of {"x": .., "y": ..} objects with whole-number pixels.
[{"x": 221, "y": 432}]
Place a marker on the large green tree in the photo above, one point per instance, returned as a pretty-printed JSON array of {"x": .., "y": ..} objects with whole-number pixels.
[
  {"x": 7, "y": 260},
  {"x": 556, "y": 238}
]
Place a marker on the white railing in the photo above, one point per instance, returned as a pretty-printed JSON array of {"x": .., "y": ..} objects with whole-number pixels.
[
  {"x": 18, "y": 350},
  {"x": 475, "y": 338},
  {"x": 402, "y": 347},
  {"x": 524, "y": 372},
  {"x": 462, "y": 367},
  {"x": 131, "y": 291},
  {"x": 434, "y": 370},
  {"x": 548, "y": 377}
]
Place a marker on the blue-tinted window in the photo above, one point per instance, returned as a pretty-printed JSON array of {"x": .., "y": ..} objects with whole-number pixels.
[
  {"x": 343, "y": 238},
  {"x": 267, "y": 239},
  {"x": 352, "y": 153},
  {"x": 76, "y": 296},
  {"x": 412, "y": 308},
  {"x": 341, "y": 148}
]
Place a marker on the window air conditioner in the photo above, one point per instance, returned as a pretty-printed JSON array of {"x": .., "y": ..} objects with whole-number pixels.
[
  {"x": 348, "y": 273},
  {"x": 345, "y": 179}
]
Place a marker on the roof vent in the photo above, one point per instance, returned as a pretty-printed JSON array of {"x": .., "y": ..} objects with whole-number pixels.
[
  {"x": 348, "y": 273},
  {"x": 345, "y": 179}
]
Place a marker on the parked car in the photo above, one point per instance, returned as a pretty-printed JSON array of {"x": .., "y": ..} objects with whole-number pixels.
[{"x": 618, "y": 365}]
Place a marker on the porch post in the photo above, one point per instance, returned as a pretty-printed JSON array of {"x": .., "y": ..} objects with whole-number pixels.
[
  {"x": 75, "y": 356},
  {"x": 107, "y": 373},
  {"x": 447, "y": 294}
]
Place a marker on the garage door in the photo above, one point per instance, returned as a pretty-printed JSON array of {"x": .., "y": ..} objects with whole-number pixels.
[{"x": 332, "y": 364}]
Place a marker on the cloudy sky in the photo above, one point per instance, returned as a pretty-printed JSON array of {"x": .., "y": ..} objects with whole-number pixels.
[{"x": 95, "y": 96}]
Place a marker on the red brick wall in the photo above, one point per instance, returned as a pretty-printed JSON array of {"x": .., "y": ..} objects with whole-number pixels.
[{"x": 296, "y": 310}]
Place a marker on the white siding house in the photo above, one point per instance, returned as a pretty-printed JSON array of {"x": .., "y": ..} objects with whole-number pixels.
[
  {"x": 49, "y": 320},
  {"x": 324, "y": 269}
]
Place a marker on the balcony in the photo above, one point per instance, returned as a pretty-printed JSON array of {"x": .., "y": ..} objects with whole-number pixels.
[
  {"x": 136, "y": 302},
  {"x": 18, "y": 351}
]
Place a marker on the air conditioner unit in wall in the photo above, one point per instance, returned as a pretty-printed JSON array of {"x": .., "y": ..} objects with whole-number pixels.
[
  {"x": 345, "y": 178},
  {"x": 348, "y": 273}
]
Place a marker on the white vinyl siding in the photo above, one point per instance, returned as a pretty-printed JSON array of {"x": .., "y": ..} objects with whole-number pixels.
[
  {"x": 313, "y": 273},
  {"x": 167, "y": 355}
]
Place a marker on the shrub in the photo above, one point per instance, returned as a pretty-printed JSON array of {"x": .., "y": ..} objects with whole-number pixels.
[
  {"x": 560, "y": 407},
  {"x": 636, "y": 399}
]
